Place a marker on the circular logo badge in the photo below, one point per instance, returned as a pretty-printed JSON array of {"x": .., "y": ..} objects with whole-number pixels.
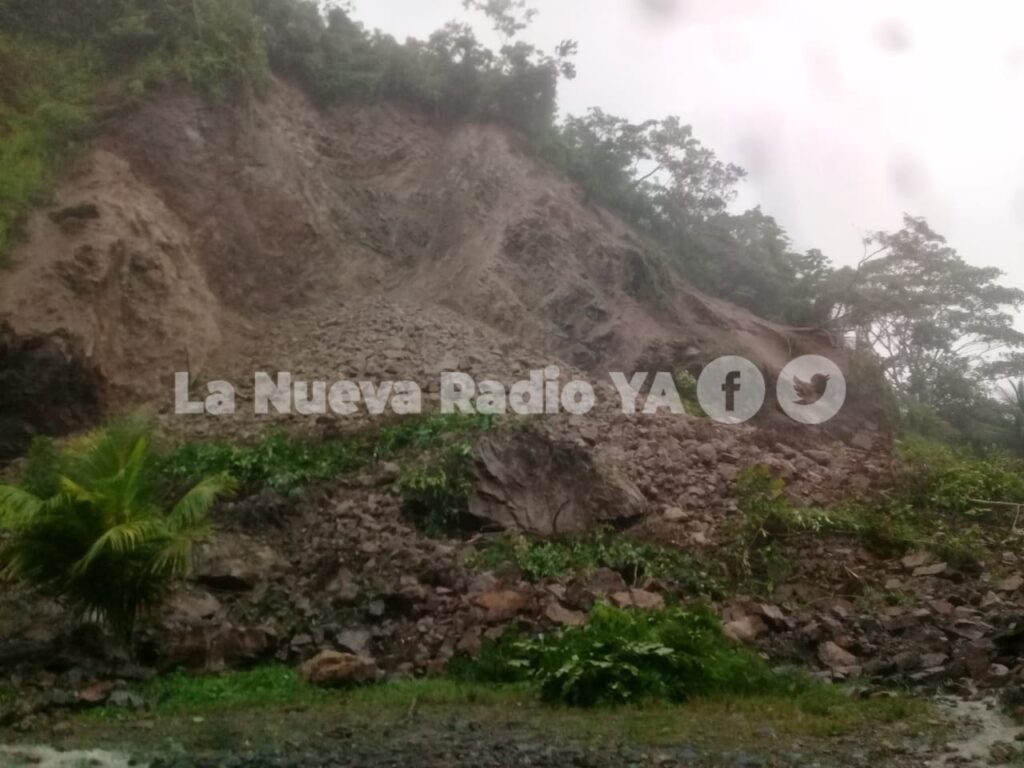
[
  {"x": 731, "y": 390},
  {"x": 811, "y": 389}
]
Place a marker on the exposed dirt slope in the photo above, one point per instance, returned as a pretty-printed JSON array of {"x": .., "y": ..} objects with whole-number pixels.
[{"x": 186, "y": 222}]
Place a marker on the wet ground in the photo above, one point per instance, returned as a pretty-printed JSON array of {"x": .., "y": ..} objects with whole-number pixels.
[{"x": 489, "y": 738}]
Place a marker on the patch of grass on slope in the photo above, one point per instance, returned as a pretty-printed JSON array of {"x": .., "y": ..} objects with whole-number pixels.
[
  {"x": 45, "y": 94},
  {"x": 562, "y": 558},
  {"x": 289, "y": 463}
]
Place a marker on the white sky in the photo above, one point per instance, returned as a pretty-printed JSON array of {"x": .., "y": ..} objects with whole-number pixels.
[{"x": 844, "y": 114}]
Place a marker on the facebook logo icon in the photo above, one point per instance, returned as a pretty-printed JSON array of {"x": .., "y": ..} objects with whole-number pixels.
[
  {"x": 731, "y": 387},
  {"x": 731, "y": 390}
]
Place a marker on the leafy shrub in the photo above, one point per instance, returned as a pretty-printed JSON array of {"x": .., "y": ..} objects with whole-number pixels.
[
  {"x": 934, "y": 505},
  {"x": 423, "y": 433},
  {"x": 41, "y": 475},
  {"x": 99, "y": 536},
  {"x": 942, "y": 479},
  {"x": 768, "y": 520},
  {"x": 761, "y": 497},
  {"x": 765, "y": 515},
  {"x": 436, "y": 490},
  {"x": 622, "y": 656},
  {"x": 220, "y": 50}
]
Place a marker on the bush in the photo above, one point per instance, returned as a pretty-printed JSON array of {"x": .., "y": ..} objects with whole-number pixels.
[
  {"x": 90, "y": 526},
  {"x": 769, "y": 520},
  {"x": 223, "y": 53},
  {"x": 423, "y": 433},
  {"x": 436, "y": 490},
  {"x": 942, "y": 479},
  {"x": 622, "y": 656},
  {"x": 934, "y": 505}
]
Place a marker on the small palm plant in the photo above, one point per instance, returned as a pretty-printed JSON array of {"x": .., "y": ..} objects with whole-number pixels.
[{"x": 88, "y": 524}]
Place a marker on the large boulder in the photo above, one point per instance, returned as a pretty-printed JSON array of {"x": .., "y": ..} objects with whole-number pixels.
[
  {"x": 332, "y": 669},
  {"x": 525, "y": 480},
  {"x": 235, "y": 562},
  {"x": 205, "y": 646}
]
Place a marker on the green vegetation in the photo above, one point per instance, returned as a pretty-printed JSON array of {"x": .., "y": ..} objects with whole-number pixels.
[
  {"x": 277, "y": 460},
  {"x": 289, "y": 463},
  {"x": 57, "y": 59},
  {"x": 631, "y": 655},
  {"x": 937, "y": 504},
  {"x": 90, "y": 525},
  {"x": 266, "y": 707},
  {"x": 434, "y": 481},
  {"x": 951, "y": 481},
  {"x": 941, "y": 331},
  {"x": 436, "y": 489},
  {"x": 424, "y": 432},
  {"x": 44, "y": 107},
  {"x": 636, "y": 561},
  {"x": 783, "y": 702},
  {"x": 269, "y": 686},
  {"x": 108, "y": 523}
]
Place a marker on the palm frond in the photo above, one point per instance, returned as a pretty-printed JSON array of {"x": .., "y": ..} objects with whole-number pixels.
[
  {"x": 18, "y": 508},
  {"x": 76, "y": 491},
  {"x": 121, "y": 539},
  {"x": 103, "y": 541},
  {"x": 193, "y": 506},
  {"x": 176, "y": 556}
]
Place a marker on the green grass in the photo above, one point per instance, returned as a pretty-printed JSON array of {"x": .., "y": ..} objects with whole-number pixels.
[
  {"x": 271, "y": 704},
  {"x": 262, "y": 687}
]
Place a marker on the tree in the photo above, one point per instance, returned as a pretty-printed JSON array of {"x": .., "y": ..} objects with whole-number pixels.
[
  {"x": 747, "y": 259},
  {"x": 941, "y": 329},
  {"x": 925, "y": 311},
  {"x": 655, "y": 171},
  {"x": 88, "y": 525},
  {"x": 509, "y": 17}
]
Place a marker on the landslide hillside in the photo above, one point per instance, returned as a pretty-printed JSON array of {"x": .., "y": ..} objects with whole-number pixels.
[
  {"x": 390, "y": 236},
  {"x": 186, "y": 228}
]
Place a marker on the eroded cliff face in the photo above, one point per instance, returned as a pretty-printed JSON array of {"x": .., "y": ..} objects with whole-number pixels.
[{"x": 187, "y": 227}]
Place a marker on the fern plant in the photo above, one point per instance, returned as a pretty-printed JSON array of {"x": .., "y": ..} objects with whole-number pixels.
[{"x": 88, "y": 524}]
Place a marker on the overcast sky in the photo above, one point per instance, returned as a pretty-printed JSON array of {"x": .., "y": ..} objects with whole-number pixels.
[{"x": 845, "y": 115}]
